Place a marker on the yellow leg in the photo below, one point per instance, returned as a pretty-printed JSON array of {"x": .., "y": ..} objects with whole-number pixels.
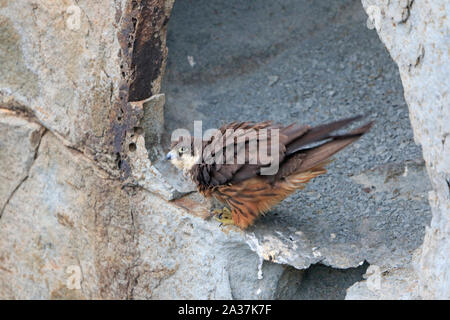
[{"x": 223, "y": 216}]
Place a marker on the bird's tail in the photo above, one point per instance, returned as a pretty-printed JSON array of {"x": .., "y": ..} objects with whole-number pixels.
[{"x": 319, "y": 144}]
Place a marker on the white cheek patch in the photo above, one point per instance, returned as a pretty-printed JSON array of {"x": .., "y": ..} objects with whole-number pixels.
[
  {"x": 184, "y": 162},
  {"x": 178, "y": 163},
  {"x": 189, "y": 161}
]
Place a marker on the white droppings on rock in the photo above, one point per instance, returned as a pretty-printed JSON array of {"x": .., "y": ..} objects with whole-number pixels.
[
  {"x": 260, "y": 272},
  {"x": 191, "y": 61},
  {"x": 405, "y": 173},
  {"x": 316, "y": 253}
]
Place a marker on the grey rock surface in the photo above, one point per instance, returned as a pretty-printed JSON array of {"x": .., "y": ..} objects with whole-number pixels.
[
  {"x": 399, "y": 179},
  {"x": 73, "y": 101},
  {"x": 416, "y": 36},
  {"x": 76, "y": 67},
  {"x": 382, "y": 284},
  {"x": 16, "y": 158}
]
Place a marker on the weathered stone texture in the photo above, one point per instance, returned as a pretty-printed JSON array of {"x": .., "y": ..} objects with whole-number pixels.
[
  {"x": 126, "y": 242},
  {"x": 60, "y": 61},
  {"x": 76, "y": 67},
  {"x": 18, "y": 144},
  {"x": 382, "y": 284},
  {"x": 416, "y": 34}
]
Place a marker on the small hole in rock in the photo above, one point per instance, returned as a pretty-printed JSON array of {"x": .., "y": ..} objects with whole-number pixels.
[
  {"x": 132, "y": 147},
  {"x": 138, "y": 130}
]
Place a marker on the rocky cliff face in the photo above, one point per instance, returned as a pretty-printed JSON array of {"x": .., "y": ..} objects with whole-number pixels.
[{"x": 88, "y": 212}]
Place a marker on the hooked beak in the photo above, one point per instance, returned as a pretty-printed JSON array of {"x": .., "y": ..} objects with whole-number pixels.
[{"x": 169, "y": 156}]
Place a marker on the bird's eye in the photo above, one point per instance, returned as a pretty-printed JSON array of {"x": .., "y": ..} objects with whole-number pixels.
[{"x": 182, "y": 150}]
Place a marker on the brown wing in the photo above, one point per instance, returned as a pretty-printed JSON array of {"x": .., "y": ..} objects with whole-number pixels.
[
  {"x": 234, "y": 141},
  {"x": 231, "y": 135},
  {"x": 294, "y": 153},
  {"x": 253, "y": 196},
  {"x": 250, "y": 198},
  {"x": 305, "y": 159},
  {"x": 318, "y": 133}
]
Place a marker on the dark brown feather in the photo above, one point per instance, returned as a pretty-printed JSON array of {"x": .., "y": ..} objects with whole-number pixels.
[
  {"x": 294, "y": 155},
  {"x": 319, "y": 133}
]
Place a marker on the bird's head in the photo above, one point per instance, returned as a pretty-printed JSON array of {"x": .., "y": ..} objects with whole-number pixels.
[{"x": 181, "y": 155}]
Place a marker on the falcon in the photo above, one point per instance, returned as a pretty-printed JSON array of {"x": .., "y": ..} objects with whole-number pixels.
[{"x": 230, "y": 167}]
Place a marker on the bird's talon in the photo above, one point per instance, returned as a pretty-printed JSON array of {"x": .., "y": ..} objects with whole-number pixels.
[{"x": 224, "y": 216}]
